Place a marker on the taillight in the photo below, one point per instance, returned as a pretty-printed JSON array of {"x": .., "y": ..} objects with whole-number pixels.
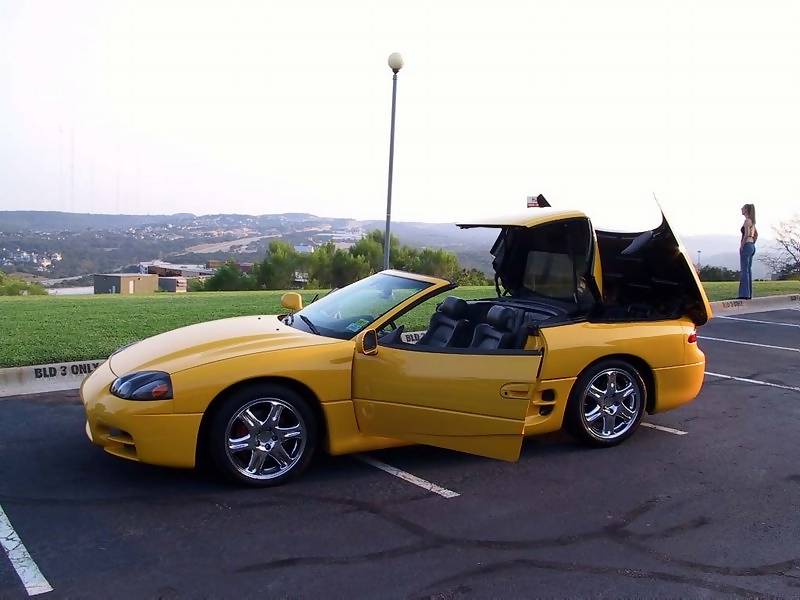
[{"x": 692, "y": 339}]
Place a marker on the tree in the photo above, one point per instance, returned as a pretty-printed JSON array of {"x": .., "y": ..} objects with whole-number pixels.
[
  {"x": 472, "y": 277},
  {"x": 370, "y": 248},
  {"x": 346, "y": 268},
  {"x": 229, "y": 278},
  {"x": 785, "y": 261},
  {"x": 711, "y": 273},
  {"x": 16, "y": 286},
  {"x": 277, "y": 271}
]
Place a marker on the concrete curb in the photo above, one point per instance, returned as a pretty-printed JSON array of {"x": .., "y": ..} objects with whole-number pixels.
[
  {"x": 55, "y": 377},
  {"x": 756, "y": 305}
]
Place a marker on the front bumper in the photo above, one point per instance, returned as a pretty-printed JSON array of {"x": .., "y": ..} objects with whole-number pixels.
[{"x": 146, "y": 431}]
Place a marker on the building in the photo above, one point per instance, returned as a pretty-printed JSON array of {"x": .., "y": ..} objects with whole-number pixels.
[
  {"x": 172, "y": 284},
  {"x": 125, "y": 283},
  {"x": 165, "y": 269},
  {"x": 214, "y": 264}
]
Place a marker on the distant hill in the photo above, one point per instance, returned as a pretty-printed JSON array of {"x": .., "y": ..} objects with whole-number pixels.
[
  {"x": 723, "y": 251},
  {"x": 45, "y": 220},
  {"x": 120, "y": 246}
]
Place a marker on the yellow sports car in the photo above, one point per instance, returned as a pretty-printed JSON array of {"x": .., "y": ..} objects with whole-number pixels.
[{"x": 588, "y": 330}]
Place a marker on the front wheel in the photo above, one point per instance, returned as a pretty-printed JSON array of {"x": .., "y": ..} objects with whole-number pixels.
[
  {"x": 607, "y": 403},
  {"x": 263, "y": 435}
]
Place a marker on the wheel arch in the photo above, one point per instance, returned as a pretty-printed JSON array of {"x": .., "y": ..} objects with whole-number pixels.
[
  {"x": 293, "y": 384},
  {"x": 644, "y": 369}
]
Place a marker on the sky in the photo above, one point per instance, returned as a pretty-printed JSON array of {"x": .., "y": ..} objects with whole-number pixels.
[{"x": 264, "y": 106}]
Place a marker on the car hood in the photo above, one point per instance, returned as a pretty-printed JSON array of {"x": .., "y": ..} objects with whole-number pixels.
[{"x": 212, "y": 341}]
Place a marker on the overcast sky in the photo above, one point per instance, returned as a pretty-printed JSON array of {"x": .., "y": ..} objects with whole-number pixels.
[{"x": 261, "y": 107}]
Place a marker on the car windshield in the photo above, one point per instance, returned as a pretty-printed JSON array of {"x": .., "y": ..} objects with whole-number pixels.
[{"x": 345, "y": 312}]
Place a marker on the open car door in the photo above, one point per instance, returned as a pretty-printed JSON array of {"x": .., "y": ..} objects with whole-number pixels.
[{"x": 472, "y": 402}]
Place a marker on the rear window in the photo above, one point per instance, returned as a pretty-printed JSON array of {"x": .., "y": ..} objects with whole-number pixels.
[
  {"x": 549, "y": 260},
  {"x": 549, "y": 274}
]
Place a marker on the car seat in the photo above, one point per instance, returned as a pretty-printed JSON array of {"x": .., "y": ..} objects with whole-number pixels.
[
  {"x": 449, "y": 326},
  {"x": 498, "y": 331}
]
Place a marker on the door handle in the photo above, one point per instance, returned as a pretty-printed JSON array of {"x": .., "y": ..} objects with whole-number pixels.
[{"x": 516, "y": 390}]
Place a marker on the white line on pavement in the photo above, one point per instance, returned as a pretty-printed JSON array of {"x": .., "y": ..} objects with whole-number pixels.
[
  {"x": 755, "y": 381},
  {"x": 665, "y": 429},
  {"x": 418, "y": 481},
  {"x": 23, "y": 564},
  {"x": 714, "y": 339},
  {"x": 759, "y": 321}
]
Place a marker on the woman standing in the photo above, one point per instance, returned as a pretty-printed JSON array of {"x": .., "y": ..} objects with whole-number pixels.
[{"x": 747, "y": 248}]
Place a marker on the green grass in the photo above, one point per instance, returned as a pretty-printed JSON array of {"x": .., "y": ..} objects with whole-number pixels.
[{"x": 44, "y": 329}]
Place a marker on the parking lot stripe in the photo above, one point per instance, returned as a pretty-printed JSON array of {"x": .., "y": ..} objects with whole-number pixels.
[
  {"x": 759, "y": 321},
  {"x": 665, "y": 429},
  {"x": 418, "y": 481},
  {"x": 714, "y": 339},
  {"x": 23, "y": 564},
  {"x": 755, "y": 381}
]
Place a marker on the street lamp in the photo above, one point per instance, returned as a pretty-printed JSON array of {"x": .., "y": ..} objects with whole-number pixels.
[
  {"x": 698, "y": 258},
  {"x": 395, "y": 64}
]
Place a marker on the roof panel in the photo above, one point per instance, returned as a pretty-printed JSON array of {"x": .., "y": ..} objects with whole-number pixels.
[{"x": 530, "y": 218}]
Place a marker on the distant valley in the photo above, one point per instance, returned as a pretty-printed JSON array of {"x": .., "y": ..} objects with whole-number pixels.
[{"x": 60, "y": 244}]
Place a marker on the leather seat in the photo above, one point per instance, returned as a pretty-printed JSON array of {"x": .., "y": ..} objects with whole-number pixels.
[
  {"x": 498, "y": 331},
  {"x": 449, "y": 326}
]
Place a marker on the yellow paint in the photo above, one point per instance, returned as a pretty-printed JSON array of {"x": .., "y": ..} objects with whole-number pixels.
[
  {"x": 467, "y": 402},
  {"x": 478, "y": 403},
  {"x": 530, "y": 218}
]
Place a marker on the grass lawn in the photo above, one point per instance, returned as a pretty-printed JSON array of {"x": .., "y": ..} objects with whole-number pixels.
[{"x": 45, "y": 329}]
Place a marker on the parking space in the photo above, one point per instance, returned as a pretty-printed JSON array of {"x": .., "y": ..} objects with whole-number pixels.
[{"x": 710, "y": 513}]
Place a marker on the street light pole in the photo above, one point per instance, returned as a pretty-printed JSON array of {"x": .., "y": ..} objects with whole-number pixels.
[{"x": 395, "y": 64}]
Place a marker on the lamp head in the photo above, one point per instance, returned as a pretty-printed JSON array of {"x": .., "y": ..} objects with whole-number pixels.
[{"x": 395, "y": 61}]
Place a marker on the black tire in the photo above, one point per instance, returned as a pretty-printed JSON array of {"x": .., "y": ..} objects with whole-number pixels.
[
  {"x": 256, "y": 436},
  {"x": 589, "y": 418}
]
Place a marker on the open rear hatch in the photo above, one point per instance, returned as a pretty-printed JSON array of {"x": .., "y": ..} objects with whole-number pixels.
[
  {"x": 649, "y": 275},
  {"x": 548, "y": 255}
]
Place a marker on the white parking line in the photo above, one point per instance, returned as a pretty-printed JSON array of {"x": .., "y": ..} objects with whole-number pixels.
[
  {"x": 714, "y": 339},
  {"x": 418, "y": 481},
  {"x": 755, "y": 381},
  {"x": 665, "y": 429},
  {"x": 23, "y": 564},
  {"x": 759, "y": 321}
]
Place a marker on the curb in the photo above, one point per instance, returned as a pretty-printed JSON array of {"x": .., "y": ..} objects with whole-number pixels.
[
  {"x": 57, "y": 377},
  {"x": 756, "y": 305},
  {"x": 54, "y": 377}
]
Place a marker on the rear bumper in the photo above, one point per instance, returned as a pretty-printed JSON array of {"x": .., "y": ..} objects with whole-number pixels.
[
  {"x": 145, "y": 431},
  {"x": 676, "y": 386}
]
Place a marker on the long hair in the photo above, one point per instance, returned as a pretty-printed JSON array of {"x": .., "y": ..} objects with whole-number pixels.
[{"x": 750, "y": 209}]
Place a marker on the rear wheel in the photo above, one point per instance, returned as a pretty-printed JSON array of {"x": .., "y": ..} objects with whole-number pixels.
[
  {"x": 263, "y": 435},
  {"x": 607, "y": 403}
]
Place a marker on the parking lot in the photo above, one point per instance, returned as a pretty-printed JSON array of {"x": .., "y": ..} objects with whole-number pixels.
[{"x": 706, "y": 504}]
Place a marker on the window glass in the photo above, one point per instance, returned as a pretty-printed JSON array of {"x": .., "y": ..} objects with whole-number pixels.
[{"x": 345, "y": 312}]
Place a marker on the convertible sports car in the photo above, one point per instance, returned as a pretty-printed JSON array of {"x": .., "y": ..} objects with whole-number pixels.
[{"x": 588, "y": 330}]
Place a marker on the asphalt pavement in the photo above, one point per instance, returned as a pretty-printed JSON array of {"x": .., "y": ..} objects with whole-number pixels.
[{"x": 708, "y": 506}]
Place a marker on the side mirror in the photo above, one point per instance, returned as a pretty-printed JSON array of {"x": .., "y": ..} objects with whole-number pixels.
[
  {"x": 367, "y": 342},
  {"x": 292, "y": 301}
]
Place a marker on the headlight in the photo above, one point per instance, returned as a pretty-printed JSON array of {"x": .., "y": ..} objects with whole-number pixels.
[{"x": 144, "y": 385}]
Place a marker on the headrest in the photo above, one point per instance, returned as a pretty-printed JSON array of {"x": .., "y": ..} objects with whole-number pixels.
[
  {"x": 501, "y": 317},
  {"x": 453, "y": 307}
]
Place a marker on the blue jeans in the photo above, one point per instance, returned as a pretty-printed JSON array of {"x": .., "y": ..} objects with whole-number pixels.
[{"x": 746, "y": 277}]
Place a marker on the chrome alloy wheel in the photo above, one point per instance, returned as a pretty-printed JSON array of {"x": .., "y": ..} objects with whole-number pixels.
[
  {"x": 611, "y": 404},
  {"x": 265, "y": 438}
]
